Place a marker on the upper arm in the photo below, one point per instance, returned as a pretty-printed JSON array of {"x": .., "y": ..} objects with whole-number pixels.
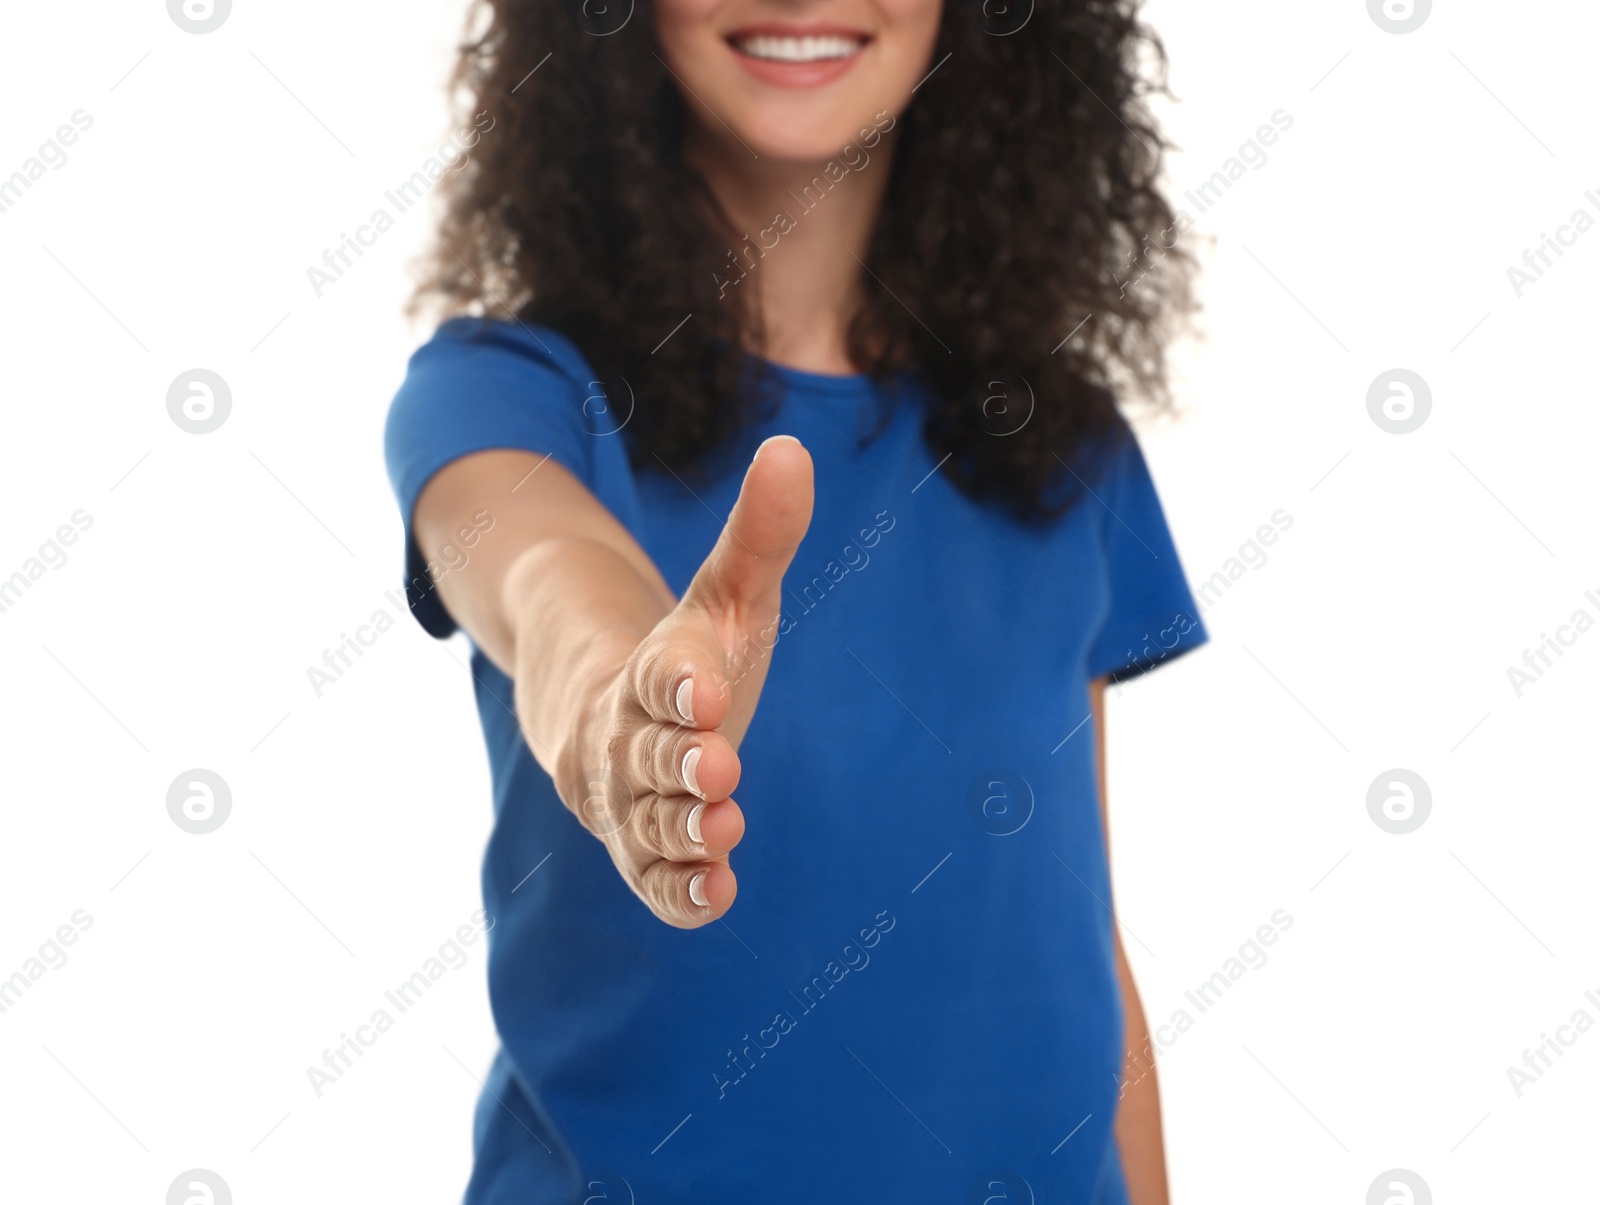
[
  {"x": 492, "y": 448},
  {"x": 1151, "y": 616}
]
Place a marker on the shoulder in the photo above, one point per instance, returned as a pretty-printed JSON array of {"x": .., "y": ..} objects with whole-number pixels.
[
  {"x": 499, "y": 343},
  {"x": 1103, "y": 465},
  {"x": 1123, "y": 467},
  {"x": 486, "y": 375},
  {"x": 1121, "y": 488},
  {"x": 478, "y": 384}
]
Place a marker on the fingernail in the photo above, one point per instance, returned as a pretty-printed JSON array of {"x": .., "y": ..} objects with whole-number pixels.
[
  {"x": 694, "y": 824},
  {"x": 685, "y": 700},
  {"x": 775, "y": 439},
  {"x": 689, "y": 770},
  {"x": 697, "y": 889}
]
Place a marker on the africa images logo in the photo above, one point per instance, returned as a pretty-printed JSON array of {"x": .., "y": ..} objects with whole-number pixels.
[
  {"x": 199, "y": 16},
  {"x": 1399, "y": 16}
]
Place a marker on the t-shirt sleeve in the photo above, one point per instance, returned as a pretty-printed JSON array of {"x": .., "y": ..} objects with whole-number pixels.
[
  {"x": 472, "y": 387},
  {"x": 1152, "y": 617}
]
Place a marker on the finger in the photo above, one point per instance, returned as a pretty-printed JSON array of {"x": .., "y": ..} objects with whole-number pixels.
[
  {"x": 768, "y": 522},
  {"x": 682, "y": 829},
  {"x": 677, "y": 674},
  {"x": 687, "y": 896},
  {"x": 676, "y": 761}
]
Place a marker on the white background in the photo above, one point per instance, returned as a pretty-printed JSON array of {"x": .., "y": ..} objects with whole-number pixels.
[{"x": 1377, "y": 634}]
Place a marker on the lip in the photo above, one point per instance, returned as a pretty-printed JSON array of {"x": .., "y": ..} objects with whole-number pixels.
[{"x": 796, "y": 75}]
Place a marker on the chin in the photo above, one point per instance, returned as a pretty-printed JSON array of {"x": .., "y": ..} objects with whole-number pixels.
[{"x": 806, "y": 132}]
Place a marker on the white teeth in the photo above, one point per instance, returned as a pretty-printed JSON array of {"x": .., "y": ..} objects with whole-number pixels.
[{"x": 799, "y": 50}]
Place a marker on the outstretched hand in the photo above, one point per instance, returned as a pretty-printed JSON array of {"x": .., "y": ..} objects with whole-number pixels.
[{"x": 661, "y": 739}]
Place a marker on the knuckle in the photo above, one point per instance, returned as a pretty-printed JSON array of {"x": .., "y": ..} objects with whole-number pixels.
[
  {"x": 661, "y": 892},
  {"x": 659, "y": 670},
  {"x": 671, "y": 748},
  {"x": 644, "y": 671},
  {"x": 654, "y": 754},
  {"x": 619, "y": 745},
  {"x": 664, "y": 828},
  {"x": 668, "y": 840},
  {"x": 652, "y": 828}
]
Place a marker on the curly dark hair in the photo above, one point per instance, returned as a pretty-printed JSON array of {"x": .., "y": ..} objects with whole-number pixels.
[{"x": 1022, "y": 205}]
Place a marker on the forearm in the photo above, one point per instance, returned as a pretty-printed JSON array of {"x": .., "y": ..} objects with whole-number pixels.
[
  {"x": 569, "y": 614},
  {"x": 556, "y": 593},
  {"x": 1138, "y": 1122}
]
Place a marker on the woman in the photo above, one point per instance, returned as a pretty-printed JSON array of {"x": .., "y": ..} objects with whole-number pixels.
[{"x": 787, "y": 465}]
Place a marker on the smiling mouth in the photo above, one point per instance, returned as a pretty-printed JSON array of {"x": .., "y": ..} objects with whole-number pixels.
[{"x": 818, "y": 48}]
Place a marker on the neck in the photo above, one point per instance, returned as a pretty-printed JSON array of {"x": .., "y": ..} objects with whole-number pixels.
[{"x": 799, "y": 237}]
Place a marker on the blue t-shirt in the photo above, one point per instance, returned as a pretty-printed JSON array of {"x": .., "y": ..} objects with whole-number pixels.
[{"x": 914, "y": 996}]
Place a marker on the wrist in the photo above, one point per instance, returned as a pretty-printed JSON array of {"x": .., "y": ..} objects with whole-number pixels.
[{"x": 572, "y": 623}]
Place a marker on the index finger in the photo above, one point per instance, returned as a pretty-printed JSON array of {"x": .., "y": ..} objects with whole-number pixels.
[{"x": 677, "y": 677}]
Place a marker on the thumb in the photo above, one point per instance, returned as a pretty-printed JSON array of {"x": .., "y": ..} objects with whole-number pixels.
[{"x": 746, "y": 567}]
